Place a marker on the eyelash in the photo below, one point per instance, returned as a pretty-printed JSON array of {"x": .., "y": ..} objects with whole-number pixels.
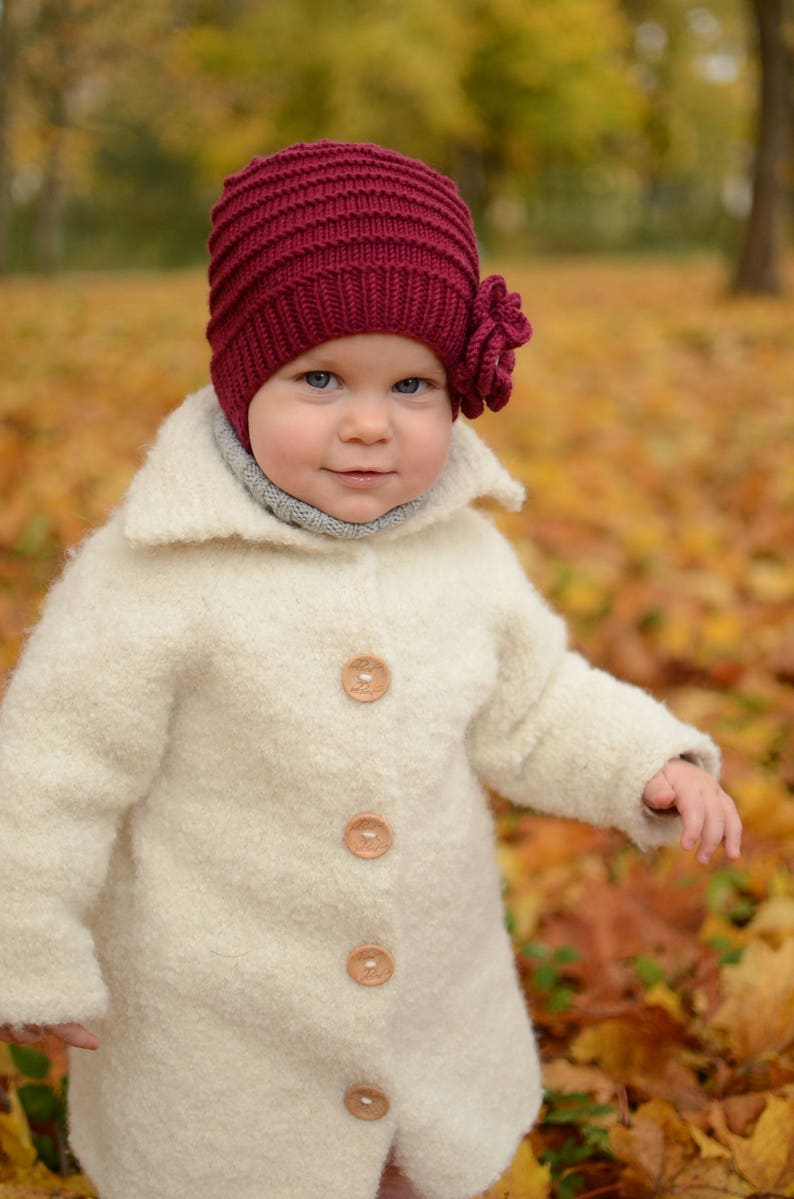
[{"x": 424, "y": 384}]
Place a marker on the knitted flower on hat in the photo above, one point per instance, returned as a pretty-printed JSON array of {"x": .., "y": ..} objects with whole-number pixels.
[{"x": 332, "y": 239}]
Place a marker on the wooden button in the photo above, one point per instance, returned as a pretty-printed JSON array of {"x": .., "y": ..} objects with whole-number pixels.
[
  {"x": 365, "y": 678},
  {"x": 370, "y": 965},
  {"x": 366, "y": 1103},
  {"x": 368, "y": 835}
]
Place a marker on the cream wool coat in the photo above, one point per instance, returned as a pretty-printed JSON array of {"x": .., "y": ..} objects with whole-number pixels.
[{"x": 179, "y": 763}]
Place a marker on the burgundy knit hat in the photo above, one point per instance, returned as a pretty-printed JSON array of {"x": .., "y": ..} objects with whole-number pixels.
[{"x": 331, "y": 239}]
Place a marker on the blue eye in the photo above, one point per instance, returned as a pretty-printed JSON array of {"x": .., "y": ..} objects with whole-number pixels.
[
  {"x": 410, "y": 387},
  {"x": 319, "y": 379}
]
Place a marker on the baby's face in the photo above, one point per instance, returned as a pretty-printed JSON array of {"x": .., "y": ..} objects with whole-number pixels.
[{"x": 354, "y": 426}]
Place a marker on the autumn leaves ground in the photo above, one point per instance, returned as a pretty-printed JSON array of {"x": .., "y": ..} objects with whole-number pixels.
[{"x": 652, "y": 424}]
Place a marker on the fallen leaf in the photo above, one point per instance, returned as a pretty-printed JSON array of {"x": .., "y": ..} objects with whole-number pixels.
[
  {"x": 663, "y": 1159},
  {"x": 642, "y": 1050},
  {"x": 525, "y": 1179},
  {"x": 766, "y": 1158},
  {"x": 773, "y": 920},
  {"x": 563, "y": 1075},
  {"x": 758, "y": 1013},
  {"x": 16, "y": 1145}
]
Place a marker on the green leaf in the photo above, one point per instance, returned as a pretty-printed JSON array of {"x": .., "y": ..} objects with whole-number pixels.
[
  {"x": 566, "y": 954},
  {"x": 30, "y": 1062},
  {"x": 39, "y": 1101},
  {"x": 580, "y": 1109},
  {"x": 728, "y": 895},
  {"x": 569, "y": 1186},
  {"x": 545, "y": 976},
  {"x": 45, "y": 1147},
  {"x": 560, "y": 999},
  {"x": 648, "y": 970},
  {"x": 35, "y": 538},
  {"x": 535, "y": 951},
  {"x": 730, "y": 955}
]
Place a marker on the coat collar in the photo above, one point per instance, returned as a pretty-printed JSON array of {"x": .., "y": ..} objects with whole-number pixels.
[{"x": 185, "y": 492}]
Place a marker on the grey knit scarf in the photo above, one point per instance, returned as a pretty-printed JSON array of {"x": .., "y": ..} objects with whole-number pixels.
[{"x": 286, "y": 507}]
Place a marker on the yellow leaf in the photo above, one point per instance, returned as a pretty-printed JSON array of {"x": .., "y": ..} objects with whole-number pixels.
[
  {"x": 37, "y": 1182},
  {"x": 774, "y": 919},
  {"x": 526, "y": 1178},
  {"x": 722, "y": 631},
  {"x": 660, "y": 995},
  {"x": 764, "y": 803},
  {"x": 15, "y": 1142},
  {"x": 663, "y": 1158},
  {"x": 766, "y": 1159},
  {"x": 708, "y": 1147},
  {"x": 772, "y": 582},
  {"x": 625, "y": 1049},
  {"x": 758, "y": 1012}
]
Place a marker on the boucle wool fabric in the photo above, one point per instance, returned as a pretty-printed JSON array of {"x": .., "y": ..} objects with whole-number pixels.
[
  {"x": 330, "y": 239},
  {"x": 178, "y": 762}
]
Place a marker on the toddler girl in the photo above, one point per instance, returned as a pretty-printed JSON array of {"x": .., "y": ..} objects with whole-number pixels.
[{"x": 245, "y": 838}]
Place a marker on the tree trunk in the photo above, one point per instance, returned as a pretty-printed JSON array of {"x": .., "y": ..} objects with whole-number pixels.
[
  {"x": 49, "y": 211},
  {"x": 57, "y": 17},
  {"x": 6, "y": 67},
  {"x": 758, "y": 268}
]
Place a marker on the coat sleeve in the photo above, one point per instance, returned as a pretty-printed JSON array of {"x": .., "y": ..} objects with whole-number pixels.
[
  {"x": 82, "y": 730},
  {"x": 564, "y": 738}
]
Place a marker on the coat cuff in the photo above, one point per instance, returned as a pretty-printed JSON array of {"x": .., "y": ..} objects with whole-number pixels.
[{"x": 49, "y": 973}]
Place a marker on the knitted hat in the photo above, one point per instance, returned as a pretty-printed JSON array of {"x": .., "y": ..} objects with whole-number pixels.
[{"x": 331, "y": 239}]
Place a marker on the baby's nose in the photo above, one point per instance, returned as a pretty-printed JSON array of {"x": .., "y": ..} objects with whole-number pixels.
[{"x": 365, "y": 418}]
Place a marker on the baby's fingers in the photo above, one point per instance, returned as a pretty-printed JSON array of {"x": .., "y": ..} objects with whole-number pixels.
[
  {"x": 76, "y": 1035},
  {"x": 733, "y": 831},
  {"x": 659, "y": 794},
  {"x": 20, "y": 1034},
  {"x": 711, "y": 822},
  {"x": 70, "y": 1033}
]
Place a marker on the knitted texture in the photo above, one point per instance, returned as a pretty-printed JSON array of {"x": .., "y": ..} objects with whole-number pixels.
[{"x": 332, "y": 239}]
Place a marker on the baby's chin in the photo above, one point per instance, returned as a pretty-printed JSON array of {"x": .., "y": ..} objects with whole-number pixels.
[{"x": 360, "y": 505}]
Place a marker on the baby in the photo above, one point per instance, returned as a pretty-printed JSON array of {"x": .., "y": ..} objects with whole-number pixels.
[{"x": 244, "y": 832}]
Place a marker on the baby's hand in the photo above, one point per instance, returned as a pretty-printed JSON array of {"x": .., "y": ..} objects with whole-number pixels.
[
  {"x": 69, "y": 1034},
  {"x": 708, "y": 813}
]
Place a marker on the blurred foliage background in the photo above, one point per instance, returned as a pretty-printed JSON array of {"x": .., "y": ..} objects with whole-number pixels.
[
  {"x": 652, "y": 423},
  {"x": 569, "y": 125}
]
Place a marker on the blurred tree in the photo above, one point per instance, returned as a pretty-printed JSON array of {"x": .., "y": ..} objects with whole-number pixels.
[
  {"x": 389, "y": 72},
  {"x": 550, "y": 89},
  {"x": 758, "y": 268},
  {"x": 689, "y": 61},
  {"x": 498, "y": 93},
  {"x": 568, "y": 123},
  {"x": 6, "y": 89},
  {"x": 69, "y": 56}
]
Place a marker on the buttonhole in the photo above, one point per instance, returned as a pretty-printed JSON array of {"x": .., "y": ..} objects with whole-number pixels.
[{"x": 365, "y": 678}]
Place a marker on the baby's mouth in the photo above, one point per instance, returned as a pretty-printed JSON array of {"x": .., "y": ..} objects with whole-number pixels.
[{"x": 361, "y": 477}]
